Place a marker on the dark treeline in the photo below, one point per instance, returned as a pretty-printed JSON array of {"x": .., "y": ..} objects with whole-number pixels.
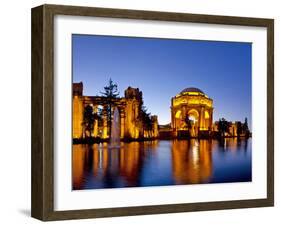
[{"x": 242, "y": 129}]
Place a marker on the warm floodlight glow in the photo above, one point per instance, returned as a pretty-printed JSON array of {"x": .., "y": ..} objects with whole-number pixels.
[
  {"x": 207, "y": 115},
  {"x": 199, "y": 109},
  {"x": 178, "y": 114}
]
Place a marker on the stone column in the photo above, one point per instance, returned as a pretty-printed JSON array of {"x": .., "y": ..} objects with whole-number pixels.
[
  {"x": 199, "y": 118},
  {"x": 77, "y": 117},
  {"x": 173, "y": 124},
  {"x": 95, "y": 129},
  {"x": 202, "y": 118},
  {"x": 155, "y": 126},
  {"x": 172, "y": 119},
  {"x": 128, "y": 125},
  {"x": 136, "y": 125},
  {"x": 183, "y": 112},
  {"x": 122, "y": 124},
  {"x": 211, "y": 119},
  {"x": 104, "y": 124}
]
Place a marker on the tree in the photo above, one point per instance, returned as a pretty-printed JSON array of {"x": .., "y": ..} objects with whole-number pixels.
[
  {"x": 223, "y": 126},
  {"x": 146, "y": 120},
  {"x": 111, "y": 93},
  {"x": 239, "y": 129},
  {"x": 89, "y": 118},
  {"x": 245, "y": 128}
]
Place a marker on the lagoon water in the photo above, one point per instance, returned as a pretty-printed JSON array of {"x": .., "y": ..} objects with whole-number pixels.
[{"x": 161, "y": 162}]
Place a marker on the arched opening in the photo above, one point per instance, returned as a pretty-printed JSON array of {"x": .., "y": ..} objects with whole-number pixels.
[{"x": 193, "y": 115}]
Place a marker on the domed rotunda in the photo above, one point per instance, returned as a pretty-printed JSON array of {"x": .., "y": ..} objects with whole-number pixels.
[{"x": 192, "y": 111}]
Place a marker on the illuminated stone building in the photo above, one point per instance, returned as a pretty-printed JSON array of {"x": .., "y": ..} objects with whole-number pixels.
[
  {"x": 232, "y": 129},
  {"x": 129, "y": 108},
  {"x": 197, "y": 106}
]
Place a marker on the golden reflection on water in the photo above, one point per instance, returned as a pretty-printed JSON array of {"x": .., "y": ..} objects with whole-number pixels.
[
  {"x": 185, "y": 162},
  {"x": 191, "y": 161},
  {"x": 77, "y": 165},
  {"x": 130, "y": 162},
  {"x": 125, "y": 160}
]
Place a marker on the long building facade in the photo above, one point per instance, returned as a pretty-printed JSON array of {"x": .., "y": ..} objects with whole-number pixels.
[{"x": 129, "y": 108}]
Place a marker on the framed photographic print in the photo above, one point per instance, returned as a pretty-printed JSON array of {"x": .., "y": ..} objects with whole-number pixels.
[{"x": 141, "y": 112}]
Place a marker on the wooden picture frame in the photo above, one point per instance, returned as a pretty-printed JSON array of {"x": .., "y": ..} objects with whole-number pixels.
[{"x": 42, "y": 203}]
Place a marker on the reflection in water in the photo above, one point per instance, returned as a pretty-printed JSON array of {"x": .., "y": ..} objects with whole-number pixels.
[
  {"x": 192, "y": 161},
  {"x": 155, "y": 163}
]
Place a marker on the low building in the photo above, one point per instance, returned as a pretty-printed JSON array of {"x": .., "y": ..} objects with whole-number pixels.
[{"x": 234, "y": 129}]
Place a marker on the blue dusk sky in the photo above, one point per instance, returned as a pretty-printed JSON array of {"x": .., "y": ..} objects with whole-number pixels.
[{"x": 162, "y": 68}]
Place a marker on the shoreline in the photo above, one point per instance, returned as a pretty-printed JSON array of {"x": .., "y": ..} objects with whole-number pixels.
[{"x": 99, "y": 140}]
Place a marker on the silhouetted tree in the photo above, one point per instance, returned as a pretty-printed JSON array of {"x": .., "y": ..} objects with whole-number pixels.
[
  {"x": 146, "y": 120},
  {"x": 239, "y": 128},
  {"x": 88, "y": 119},
  {"x": 223, "y": 127},
  {"x": 246, "y": 130},
  {"x": 111, "y": 93}
]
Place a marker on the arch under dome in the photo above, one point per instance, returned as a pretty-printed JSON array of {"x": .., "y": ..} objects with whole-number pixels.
[{"x": 192, "y": 89}]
